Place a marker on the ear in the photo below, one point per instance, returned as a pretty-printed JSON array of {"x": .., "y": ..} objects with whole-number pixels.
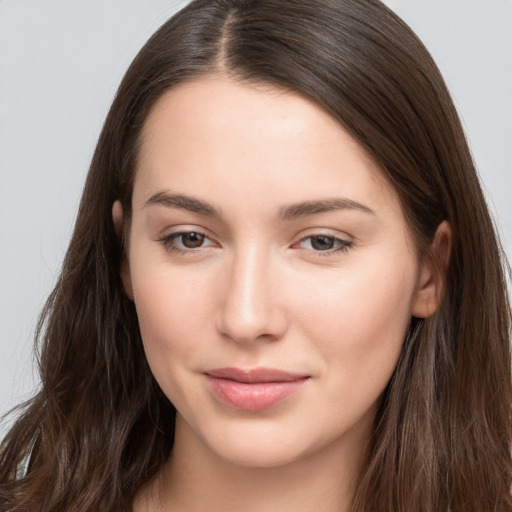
[
  {"x": 118, "y": 219},
  {"x": 432, "y": 273}
]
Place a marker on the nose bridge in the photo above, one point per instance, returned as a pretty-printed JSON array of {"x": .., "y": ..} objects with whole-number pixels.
[{"x": 249, "y": 307}]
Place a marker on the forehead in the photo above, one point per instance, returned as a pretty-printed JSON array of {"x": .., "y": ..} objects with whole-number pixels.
[{"x": 212, "y": 136}]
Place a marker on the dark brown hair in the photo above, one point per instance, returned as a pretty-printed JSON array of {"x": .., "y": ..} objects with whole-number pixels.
[{"x": 100, "y": 427}]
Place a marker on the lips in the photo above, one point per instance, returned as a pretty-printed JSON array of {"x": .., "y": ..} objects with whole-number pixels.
[{"x": 255, "y": 389}]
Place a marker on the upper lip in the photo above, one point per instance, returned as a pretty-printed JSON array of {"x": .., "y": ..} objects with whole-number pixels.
[{"x": 254, "y": 375}]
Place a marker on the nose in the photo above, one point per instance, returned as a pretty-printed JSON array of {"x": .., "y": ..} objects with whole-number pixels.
[{"x": 250, "y": 308}]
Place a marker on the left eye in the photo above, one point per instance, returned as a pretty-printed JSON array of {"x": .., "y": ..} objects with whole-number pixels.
[{"x": 324, "y": 243}]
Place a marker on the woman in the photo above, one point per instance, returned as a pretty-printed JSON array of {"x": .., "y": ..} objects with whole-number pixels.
[{"x": 283, "y": 291}]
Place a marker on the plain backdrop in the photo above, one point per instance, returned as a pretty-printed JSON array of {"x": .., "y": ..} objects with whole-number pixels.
[{"x": 60, "y": 64}]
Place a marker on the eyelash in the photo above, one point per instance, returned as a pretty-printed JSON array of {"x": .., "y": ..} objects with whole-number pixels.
[{"x": 169, "y": 243}]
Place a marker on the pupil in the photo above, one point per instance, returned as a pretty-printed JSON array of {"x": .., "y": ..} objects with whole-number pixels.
[
  {"x": 193, "y": 240},
  {"x": 322, "y": 243}
]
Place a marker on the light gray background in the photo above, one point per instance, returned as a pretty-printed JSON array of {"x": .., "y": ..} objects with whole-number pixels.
[{"x": 60, "y": 64}]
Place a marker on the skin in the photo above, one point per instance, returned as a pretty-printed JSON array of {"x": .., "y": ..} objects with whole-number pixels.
[{"x": 262, "y": 290}]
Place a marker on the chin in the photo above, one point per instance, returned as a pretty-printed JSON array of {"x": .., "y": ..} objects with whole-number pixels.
[
  {"x": 261, "y": 446},
  {"x": 266, "y": 455}
]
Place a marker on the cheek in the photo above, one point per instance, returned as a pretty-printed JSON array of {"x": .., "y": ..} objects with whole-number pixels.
[
  {"x": 173, "y": 316},
  {"x": 358, "y": 299},
  {"x": 358, "y": 319}
]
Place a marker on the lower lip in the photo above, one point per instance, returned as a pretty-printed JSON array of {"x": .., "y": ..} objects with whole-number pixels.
[{"x": 253, "y": 396}]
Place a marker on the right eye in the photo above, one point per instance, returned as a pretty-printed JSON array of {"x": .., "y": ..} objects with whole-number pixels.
[{"x": 186, "y": 241}]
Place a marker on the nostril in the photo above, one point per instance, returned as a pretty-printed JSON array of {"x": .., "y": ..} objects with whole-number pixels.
[{"x": 245, "y": 322}]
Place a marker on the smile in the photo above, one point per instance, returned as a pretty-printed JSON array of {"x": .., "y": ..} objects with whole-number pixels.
[{"x": 253, "y": 390}]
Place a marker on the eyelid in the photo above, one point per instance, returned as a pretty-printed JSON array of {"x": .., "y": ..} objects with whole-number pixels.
[{"x": 327, "y": 232}]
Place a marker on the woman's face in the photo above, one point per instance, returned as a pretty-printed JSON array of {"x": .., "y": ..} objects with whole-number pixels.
[{"x": 272, "y": 271}]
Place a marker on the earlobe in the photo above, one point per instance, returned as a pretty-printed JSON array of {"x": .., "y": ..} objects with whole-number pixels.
[
  {"x": 118, "y": 219},
  {"x": 431, "y": 284}
]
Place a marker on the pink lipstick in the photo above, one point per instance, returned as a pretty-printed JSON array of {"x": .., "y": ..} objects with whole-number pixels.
[{"x": 255, "y": 389}]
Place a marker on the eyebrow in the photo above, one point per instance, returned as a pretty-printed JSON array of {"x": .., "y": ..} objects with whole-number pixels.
[
  {"x": 290, "y": 212},
  {"x": 184, "y": 202},
  {"x": 321, "y": 206}
]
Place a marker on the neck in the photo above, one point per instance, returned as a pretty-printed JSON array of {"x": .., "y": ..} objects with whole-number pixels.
[{"x": 196, "y": 479}]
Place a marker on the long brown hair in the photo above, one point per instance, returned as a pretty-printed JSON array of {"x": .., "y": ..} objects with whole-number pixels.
[{"x": 100, "y": 427}]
